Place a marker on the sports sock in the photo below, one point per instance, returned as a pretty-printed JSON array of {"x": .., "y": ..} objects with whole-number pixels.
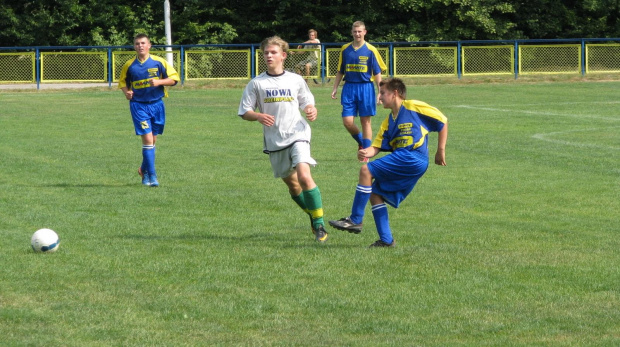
[
  {"x": 362, "y": 194},
  {"x": 380, "y": 213},
  {"x": 148, "y": 158},
  {"x": 366, "y": 143},
  {"x": 314, "y": 203},
  {"x": 358, "y": 138},
  {"x": 299, "y": 199}
]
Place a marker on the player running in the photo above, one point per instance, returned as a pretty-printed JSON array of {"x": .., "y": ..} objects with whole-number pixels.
[
  {"x": 142, "y": 80},
  {"x": 278, "y": 95}
]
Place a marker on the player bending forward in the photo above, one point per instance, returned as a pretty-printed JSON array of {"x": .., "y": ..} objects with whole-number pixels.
[
  {"x": 391, "y": 178},
  {"x": 278, "y": 95}
]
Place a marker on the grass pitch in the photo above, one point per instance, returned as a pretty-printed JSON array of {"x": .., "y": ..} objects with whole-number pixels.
[{"x": 515, "y": 242}]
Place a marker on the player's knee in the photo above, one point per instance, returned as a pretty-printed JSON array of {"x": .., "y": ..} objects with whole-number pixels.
[
  {"x": 365, "y": 173},
  {"x": 306, "y": 182}
]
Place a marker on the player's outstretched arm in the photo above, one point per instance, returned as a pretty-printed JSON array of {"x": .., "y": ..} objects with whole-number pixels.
[{"x": 440, "y": 156}]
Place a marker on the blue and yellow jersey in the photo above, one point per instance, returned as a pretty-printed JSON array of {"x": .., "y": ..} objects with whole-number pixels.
[
  {"x": 360, "y": 65},
  {"x": 409, "y": 130},
  {"x": 135, "y": 75}
]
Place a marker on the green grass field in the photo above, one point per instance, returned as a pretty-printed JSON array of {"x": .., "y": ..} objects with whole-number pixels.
[{"x": 514, "y": 243}]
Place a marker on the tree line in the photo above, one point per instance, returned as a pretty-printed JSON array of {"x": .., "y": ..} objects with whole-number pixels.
[{"x": 115, "y": 22}]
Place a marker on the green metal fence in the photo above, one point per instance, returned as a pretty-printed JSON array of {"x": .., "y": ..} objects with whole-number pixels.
[{"x": 415, "y": 59}]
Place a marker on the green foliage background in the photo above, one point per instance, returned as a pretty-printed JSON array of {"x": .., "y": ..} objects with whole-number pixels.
[{"x": 115, "y": 22}]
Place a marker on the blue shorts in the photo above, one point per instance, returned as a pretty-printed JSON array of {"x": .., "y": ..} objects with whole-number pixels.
[
  {"x": 358, "y": 99},
  {"x": 148, "y": 118},
  {"x": 396, "y": 174}
]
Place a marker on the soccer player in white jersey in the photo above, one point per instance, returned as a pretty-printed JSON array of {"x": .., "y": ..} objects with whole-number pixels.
[{"x": 274, "y": 99}]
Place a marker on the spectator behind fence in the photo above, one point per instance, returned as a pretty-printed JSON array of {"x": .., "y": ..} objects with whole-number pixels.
[{"x": 311, "y": 61}]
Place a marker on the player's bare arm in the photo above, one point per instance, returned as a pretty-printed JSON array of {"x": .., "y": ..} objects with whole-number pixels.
[
  {"x": 128, "y": 93},
  {"x": 155, "y": 82},
  {"x": 311, "y": 113},
  {"x": 339, "y": 76},
  {"x": 377, "y": 79},
  {"x": 262, "y": 118},
  {"x": 440, "y": 156}
]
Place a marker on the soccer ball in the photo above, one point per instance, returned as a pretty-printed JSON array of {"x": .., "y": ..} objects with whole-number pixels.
[{"x": 45, "y": 240}]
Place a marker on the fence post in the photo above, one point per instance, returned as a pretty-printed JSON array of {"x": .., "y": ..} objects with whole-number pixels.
[
  {"x": 181, "y": 65},
  {"x": 459, "y": 59},
  {"x": 110, "y": 77},
  {"x": 583, "y": 57},
  {"x": 37, "y": 64},
  {"x": 391, "y": 60},
  {"x": 252, "y": 62},
  {"x": 516, "y": 59},
  {"x": 323, "y": 66}
]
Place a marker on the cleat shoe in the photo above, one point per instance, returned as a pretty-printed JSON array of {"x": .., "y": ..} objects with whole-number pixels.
[
  {"x": 380, "y": 243},
  {"x": 320, "y": 234},
  {"x": 153, "y": 180},
  {"x": 346, "y": 224},
  {"x": 365, "y": 160},
  {"x": 144, "y": 176}
]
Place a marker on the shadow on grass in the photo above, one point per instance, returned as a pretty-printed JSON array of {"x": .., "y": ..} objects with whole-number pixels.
[
  {"x": 279, "y": 241},
  {"x": 91, "y": 185}
]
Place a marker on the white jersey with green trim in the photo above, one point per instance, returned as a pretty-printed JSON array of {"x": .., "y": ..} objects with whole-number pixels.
[{"x": 281, "y": 96}]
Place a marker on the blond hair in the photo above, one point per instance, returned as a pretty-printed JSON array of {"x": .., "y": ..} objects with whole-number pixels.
[
  {"x": 359, "y": 23},
  {"x": 274, "y": 40}
]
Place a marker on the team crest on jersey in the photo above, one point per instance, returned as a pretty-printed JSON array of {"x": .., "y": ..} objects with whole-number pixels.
[{"x": 153, "y": 72}]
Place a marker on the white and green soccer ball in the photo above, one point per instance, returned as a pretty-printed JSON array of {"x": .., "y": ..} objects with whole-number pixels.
[{"x": 45, "y": 240}]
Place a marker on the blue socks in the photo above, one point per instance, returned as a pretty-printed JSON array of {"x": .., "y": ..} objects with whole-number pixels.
[
  {"x": 366, "y": 143},
  {"x": 358, "y": 139},
  {"x": 148, "y": 159},
  {"x": 362, "y": 194},
  {"x": 380, "y": 213}
]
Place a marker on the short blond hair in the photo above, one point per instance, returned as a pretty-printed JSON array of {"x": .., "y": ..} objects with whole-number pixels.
[
  {"x": 359, "y": 23},
  {"x": 274, "y": 40},
  {"x": 313, "y": 31}
]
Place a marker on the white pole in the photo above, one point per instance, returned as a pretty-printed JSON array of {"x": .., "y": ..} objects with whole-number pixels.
[{"x": 168, "y": 29}]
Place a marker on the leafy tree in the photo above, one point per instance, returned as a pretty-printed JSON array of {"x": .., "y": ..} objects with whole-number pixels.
[{"x": 115, "y": 22}]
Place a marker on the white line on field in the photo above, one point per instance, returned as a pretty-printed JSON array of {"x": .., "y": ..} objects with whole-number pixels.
[
  {"x": 545, "y": 137},
  {"x": 492, "y": 109}
]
